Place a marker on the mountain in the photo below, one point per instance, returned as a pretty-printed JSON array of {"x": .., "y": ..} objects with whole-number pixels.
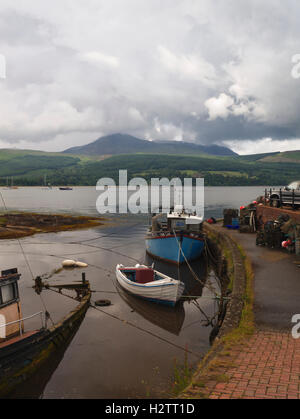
[{"x": 127, "y": 144}]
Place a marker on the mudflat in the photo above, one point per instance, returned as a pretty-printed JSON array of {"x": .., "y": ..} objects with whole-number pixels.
[{"x": 15, "y": 225}]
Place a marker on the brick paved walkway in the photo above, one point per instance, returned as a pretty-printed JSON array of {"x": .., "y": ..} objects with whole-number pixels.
[
  {"x": 267, "y": 364},
  {"x": 267, "y": 367}
]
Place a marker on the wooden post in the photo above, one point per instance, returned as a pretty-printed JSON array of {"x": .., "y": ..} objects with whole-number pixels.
[
  {"x": 280, "y": 197},
  {"x": 293, "y": 199},
  {"x": 83, "y": 278}
]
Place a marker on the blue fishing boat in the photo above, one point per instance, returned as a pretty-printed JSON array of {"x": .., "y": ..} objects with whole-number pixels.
[{"x": 178, "y": 240}]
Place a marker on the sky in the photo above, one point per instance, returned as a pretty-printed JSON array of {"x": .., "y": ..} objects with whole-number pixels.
[{"x": 212, "y": 72}]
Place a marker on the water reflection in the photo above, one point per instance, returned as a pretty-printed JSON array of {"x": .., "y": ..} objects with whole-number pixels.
[
  {"x": 172, "y": 319},
  {"x": 102, "y": 360},
  {"x": 167, "y": 318},
  {"x": 183, "y": 273},
  {"x": 34, "y": 386}
]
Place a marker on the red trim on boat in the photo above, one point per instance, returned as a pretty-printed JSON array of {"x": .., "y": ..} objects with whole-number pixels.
[
  {"x": 17, "y": 339},
  {"x": 171, "y": 237}
]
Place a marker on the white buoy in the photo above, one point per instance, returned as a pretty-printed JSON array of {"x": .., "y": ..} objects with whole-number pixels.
[
  {"x": 73, "y": 264},
  {"x": 68, "y": 263},
  {"x": 81, "y": 264}
]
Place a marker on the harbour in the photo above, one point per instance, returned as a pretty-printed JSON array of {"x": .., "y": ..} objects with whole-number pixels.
[
  {"x": 136, "y": 345},
  {"x": 162, "y": 335},
  {"x": 149, "y": 202}
]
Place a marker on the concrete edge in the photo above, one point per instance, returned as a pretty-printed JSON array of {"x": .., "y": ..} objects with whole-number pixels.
[{"x": 235, "y": 307}]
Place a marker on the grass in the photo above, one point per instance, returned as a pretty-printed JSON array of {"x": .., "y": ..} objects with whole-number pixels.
[
  {"x": 182, "y": 375},
  {"x": 246, "y": 327},
  {"x": 287, "y": 156},
  {"x": 228, "y": 173},
  {"x": 230, "y": 267},
  {"x": 189, "y": 173}
]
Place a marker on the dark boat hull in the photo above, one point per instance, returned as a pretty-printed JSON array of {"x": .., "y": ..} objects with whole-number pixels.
[{"x": 20, "y": 360}]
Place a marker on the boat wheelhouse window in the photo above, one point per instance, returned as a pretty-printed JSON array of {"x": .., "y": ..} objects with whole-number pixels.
[
  {"x": 178, "y": 224},
  {"x": 181, "y": 224},
  {"x": 8, "y": 293}
]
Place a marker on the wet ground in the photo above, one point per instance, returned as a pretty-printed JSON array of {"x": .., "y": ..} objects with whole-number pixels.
[
  {"x": 276, "y": 284},
  {"x": 126, "y": 350}
]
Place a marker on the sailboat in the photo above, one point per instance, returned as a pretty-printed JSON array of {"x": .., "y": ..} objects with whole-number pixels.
[
  {"x": 46, "y": 185},
  {"x": 11, "y": 185}
]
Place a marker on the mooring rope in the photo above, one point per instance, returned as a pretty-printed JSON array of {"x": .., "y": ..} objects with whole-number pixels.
[
  {"x": 211, "y": 289},
  {"x": 112, "y": 272},
  {"x": 29, "y": 267},
  {"x": 135, "y": 326},
  {"x": 105, "y": 235}
]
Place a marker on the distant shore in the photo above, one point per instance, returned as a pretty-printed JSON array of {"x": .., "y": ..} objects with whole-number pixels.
[{"x": 15, "y": 225}]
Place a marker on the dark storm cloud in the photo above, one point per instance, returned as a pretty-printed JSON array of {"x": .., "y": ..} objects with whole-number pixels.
[
  {"x": 202, "y": 71},
  {"x": 240, "y": 128}
]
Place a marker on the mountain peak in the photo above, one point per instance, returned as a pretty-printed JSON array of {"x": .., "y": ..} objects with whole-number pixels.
[{"x": 127, "y": 144}]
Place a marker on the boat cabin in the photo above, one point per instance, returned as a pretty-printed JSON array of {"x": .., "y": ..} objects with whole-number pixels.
[
  {"x": 10, "y": 309},
  {"x": 141, "y": 275},
  {"x": 179, "y": 220}
]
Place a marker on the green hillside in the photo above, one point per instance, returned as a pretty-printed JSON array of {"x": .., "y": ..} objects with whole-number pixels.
[
  {"x": 285, "y": 157},
  {"x": 30, "y": 167},
  {"x": 216, "y": 171}
]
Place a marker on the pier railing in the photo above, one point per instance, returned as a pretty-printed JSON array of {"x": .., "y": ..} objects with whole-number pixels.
[
  {"x": 292, "y": 201},
  {"x": 21, "y": 322}
]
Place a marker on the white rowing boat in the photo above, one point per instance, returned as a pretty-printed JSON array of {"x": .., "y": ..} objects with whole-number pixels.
[{"x": 147, "y": 283}]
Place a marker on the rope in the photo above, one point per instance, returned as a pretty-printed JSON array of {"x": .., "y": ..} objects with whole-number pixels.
[
  {"x": 110, "y": 271},
  {"x": 134, "y": 326},
  {"x": 29, "y": 267},
  {"x": 209, "y": 255},
  {"x": 111, "y": 251},
  {"x": 104, "y": 235},
  {"x": 191, "y": 269},
  {"x": 149, "y": 333}
]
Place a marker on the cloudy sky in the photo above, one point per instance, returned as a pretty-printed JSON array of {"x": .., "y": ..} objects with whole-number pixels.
[{"x": 196, "y": 70}]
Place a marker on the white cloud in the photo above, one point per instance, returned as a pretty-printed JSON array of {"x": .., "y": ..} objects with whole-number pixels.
[
  {"x": 96, "y": 57},
  {"x": 208, "y": 71},
  {"x": 263, "y": 145},
  {"x": 219, "y": 107},
  {"x": 2, "y": 67},
  {"x": 190, "y": 66}
]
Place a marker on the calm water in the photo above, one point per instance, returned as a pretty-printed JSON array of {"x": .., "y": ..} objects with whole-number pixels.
[
  {"x": 108, "y": 357},
  {"x": 82, "y": 200}
]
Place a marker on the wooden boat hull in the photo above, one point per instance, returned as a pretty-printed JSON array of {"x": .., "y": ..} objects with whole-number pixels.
[
  {"x": 21, "y": 359},
  {"x": 167, "y": 293}
]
